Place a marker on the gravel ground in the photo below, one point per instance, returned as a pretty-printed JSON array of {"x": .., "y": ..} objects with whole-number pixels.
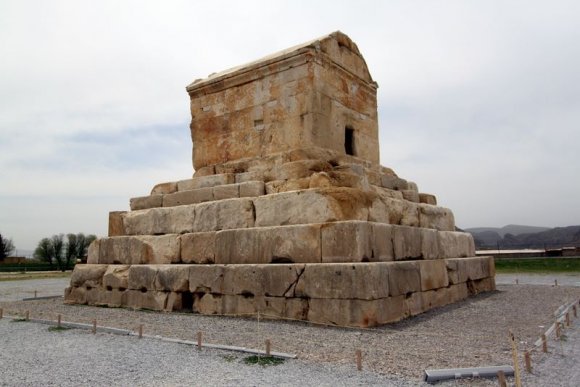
[
  {"x": 564, "y": 279},
  {"x": 17, "y": 290},
  {"x": 471, "y": 333}
]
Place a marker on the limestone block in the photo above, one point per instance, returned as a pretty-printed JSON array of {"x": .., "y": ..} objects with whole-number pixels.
[
  {"x": 146, "y": 300},
  {"x": 145, "y": 202},
  {"x": 356, "y": 313},
  {"x": 365, "y": 281},
  {"x": 443, "y": 296},
  {"x": 116, "y": 227},
  {"x": 252, "y": 189},
  {"x": 207, "y": 304},
  {"x": 139, "y": 250},
  {"x": 205, "y": 171},
  {"x": 89, "y": 276},
  {"x": 414, "y": 304},
  {"x": 111, "y": 298},
  {"x": 279, "y": 186},
  {"x": 356, "y": 241},
  {"x": 404, "y": 278},
  {"x": 312, "y": 206},
  {"x": 173, "y": 278},
  {"x": 382, "y": 242},
  {"x": 244, "y": 177},
  {"x": 142, "y": 277},
  {"x": 410, "y": 214},
  {"x": 282, "y": 244},
  {"x": 412, "y": 186},
  {"x": 433, "y": 274},
  {"x": 456, "y": 244},
  {"x": 407, "y": 243},
  {"x": 224, "y": 215},
  {"x": 206, "y": 181},
  {"x": 156, "y": 221},
  {"x": 298, "y": 169},
  {"x": 410, "y": 195},
  {"x": 227, "y": 191},
  {"x": 393, "y": 182},
  {"x": 94, "y": 296},
  {"x": 258, "y": 280},
  {"x": 378, "y": 211},
  {"x": 438, "y": 218},
  {"x": 427, "y": 199},
  {"x": 206, "y": 279},
  {"x": 466, "y": 269},
  {"x": 164, "y": 188},
  {"x": 75, "y": 295},
  {"x": 93, "y": 252},
  {"x": 198, "y": 247},
  {"x": 480, "y": 286},
  {"x": 429, "y": 244},
  {"x": 116, "y": 277},
  {"x": 188, "y": 197}
]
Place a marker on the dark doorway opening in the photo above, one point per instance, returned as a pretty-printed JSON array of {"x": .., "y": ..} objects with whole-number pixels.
[{"x": 349, "y": 141}]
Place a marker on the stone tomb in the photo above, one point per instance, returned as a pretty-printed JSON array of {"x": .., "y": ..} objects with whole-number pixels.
[{"x": 288, "y": 213}]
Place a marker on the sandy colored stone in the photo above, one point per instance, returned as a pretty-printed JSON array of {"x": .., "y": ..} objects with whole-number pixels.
[
  {"x": 206, "y": 279},
  {"x": 157, "y": 221},
  {"x": 116, "y": 226},
  {"x": 356, "y": 241},
  {"x": 205, "y": 181},
  {"x": 429, "y": 244},
  {"x": 252, "y": 189},
  {"x": 224, "y": 215},
  {"x": 139, "y": 250},
  {"x": 456, "y": 244},
  {"x": 365, "y": 281},
  {"x": 433, "y": 274},
  {"x": 145, "y": 202},
  {"x": 173, "y": 278},
  {"x": 164, "y": 188},
  {"x": 427, "y": 199},
  {"x": 198, "y": 247},
  {"x": 410, "y": 195},
  {"x": 89, "y": 276},
  {"x": 282, "y": 244},
  {"x": 93, "y": 252},
  {"x": 193, "y": 196},
  {"x": 437, "y": 218},
  {"x": 356, "y": 313},
  {"x": 468, "y": 269},
  {"x": 404, "y": 278},
  {"x": 142, "y": 277},
  {"x": 227, "y": 191},
  {"x": 407, "y": 243},
  {"x": 147, "y": 300},
  {"x": 393, "y": 182},
  {"x": 75, "y": 295},
  {"x": 116, "y": 277}
]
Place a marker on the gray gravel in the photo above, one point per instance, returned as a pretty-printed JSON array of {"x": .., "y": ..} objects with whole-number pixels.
[
  {"x": 564, "y": 279},
  {"x": 18, "y": 290},
  {"x": 31, "y": 355}
]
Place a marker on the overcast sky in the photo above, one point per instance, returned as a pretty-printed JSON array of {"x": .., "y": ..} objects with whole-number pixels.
[{"x": 479, "y": 101}]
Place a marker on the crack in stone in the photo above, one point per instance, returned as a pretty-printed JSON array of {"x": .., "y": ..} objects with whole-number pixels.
[{"x": 292, "y": 286}]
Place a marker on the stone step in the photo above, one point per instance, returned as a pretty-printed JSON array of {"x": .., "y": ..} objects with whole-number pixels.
[
  {"x": 305, "y": 206},
  {"x": 353, "y": 294},
  {"x": 332, "y": 242}
]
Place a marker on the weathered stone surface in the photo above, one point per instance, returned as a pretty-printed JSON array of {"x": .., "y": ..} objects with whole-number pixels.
[
  {"x": 407, "y": 243},
  {"x": 174, "y": 278},
  {"x": 429, "y": 244},
  {"x": 410, "y": 195},
  {"x": 404, "y": 277},
  {"x": 147, "y": 300},
  {"x": 252, "y": 189},
  {"x": 145, "y": 202},
  {"x": 427, "y": 199},
  {"x": 207, "y": 279},
  {"x": 164, "y": 188},
  {"x": 356, "y": 241},
  {"x": 282, "y": 244},
  {"x": 433, "y": 274},
  {"x": 444, "y": 296},
  {"x": 93, "y": 252},
  {"x": 393, "y": 182},
  {"x": 228, "y": 191},
  {"x": 89, "y": 276},
  {"x": 437, "y": 218},
  {"x": 198, "y": 247},
  {"x": 466, "y": 269},
  {"x": 480, "y": 286},
  {"x": 139, "y": 250},
  {"x": 365, "y": 281},
  {"x": 116, "y": 277},
  {"x": 205, "y": 181},
  {"x": 224, "y": 215},
  {"x": 75, "y": 295},
  {"x": 188, "y": 197},
  {"x": 116, "y": 226},
  {"x": 356, "y": 313},
  {"x": 158, "y": 221},
  {"x": 261, "y": 280},
  {"x": 142, "y": 277},
  {"x": 456, "y": 244}
]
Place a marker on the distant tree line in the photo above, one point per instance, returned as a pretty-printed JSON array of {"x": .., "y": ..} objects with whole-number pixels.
[
  {"x": 6, "y": 247},
  {"x": 56, "y": 251}
]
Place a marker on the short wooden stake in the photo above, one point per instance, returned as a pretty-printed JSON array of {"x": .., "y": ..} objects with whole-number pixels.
[
  {"x": 268, "y": 347},
  {"x": 94, "y": 326},
  {"x": 141, "y": 331},
  {"x": 198, "y": 340},
  {"x": 35, "y": 294},
  {"x": 517, "y": 281},
  {"x": 555, "y": 282},
  {"x": 1, "y": 312},
  {"x": 58, "y": 319},
  {"x": 27, "y": 315},
  {"x": 501, "y": 379},
  {"x": 515, "y": 359},
  {"x": 528, "y": 361},
  {"x": 544, "y": 343},
  {"x": 558, "y": 333},
  {"x": 359, "y": 359},
  {"x": 575, "y": 311},
  {"x": 568, "y": 319}
]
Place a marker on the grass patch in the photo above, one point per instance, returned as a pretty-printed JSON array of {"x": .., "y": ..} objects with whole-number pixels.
[
  {"x": 538, "y": 265},
  {"x": 56, "y": 328},
  {"x": 230, "y": 358},
  {"x": 20, "y": 319},
  {"x": 263, "y": 360}
]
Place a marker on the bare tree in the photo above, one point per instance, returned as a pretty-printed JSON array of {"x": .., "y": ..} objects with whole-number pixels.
[
  {"x": 6, "y": 247},
  {"x": 58, "y": 251},
  {"x": 44, "y": 251}
]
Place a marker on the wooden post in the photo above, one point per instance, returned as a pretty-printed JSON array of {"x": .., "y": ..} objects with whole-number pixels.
[
  {"x": 198, "y": 340},
  {"x": 575, "y": 311},
  {"x": 568, "y": 318},
  {"x": 268, "y": 347},
  {"x": 501, "y": 379},
  {"x": 1, "y": 313},
  {"x": 35, "y": 293},
  {"x": 359, "y": 359},
  {"x": 140, "y": 331},
  {"x": 528, "y": 361},
  {"x": 515, "y": 359},
  {"x": 58, "y": 320},
  {"x": 517, "y": 281},
  {"x": 555, "y": 282},
  {"x": 544, "y": 343},
  {"x": 558, "y": 333},
  {"x": 94, "y": 326},
  {"x": 27, "y": 315}
]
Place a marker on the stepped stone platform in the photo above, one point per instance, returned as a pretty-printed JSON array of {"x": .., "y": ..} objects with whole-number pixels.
[{"x": 289, "y": 213}]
